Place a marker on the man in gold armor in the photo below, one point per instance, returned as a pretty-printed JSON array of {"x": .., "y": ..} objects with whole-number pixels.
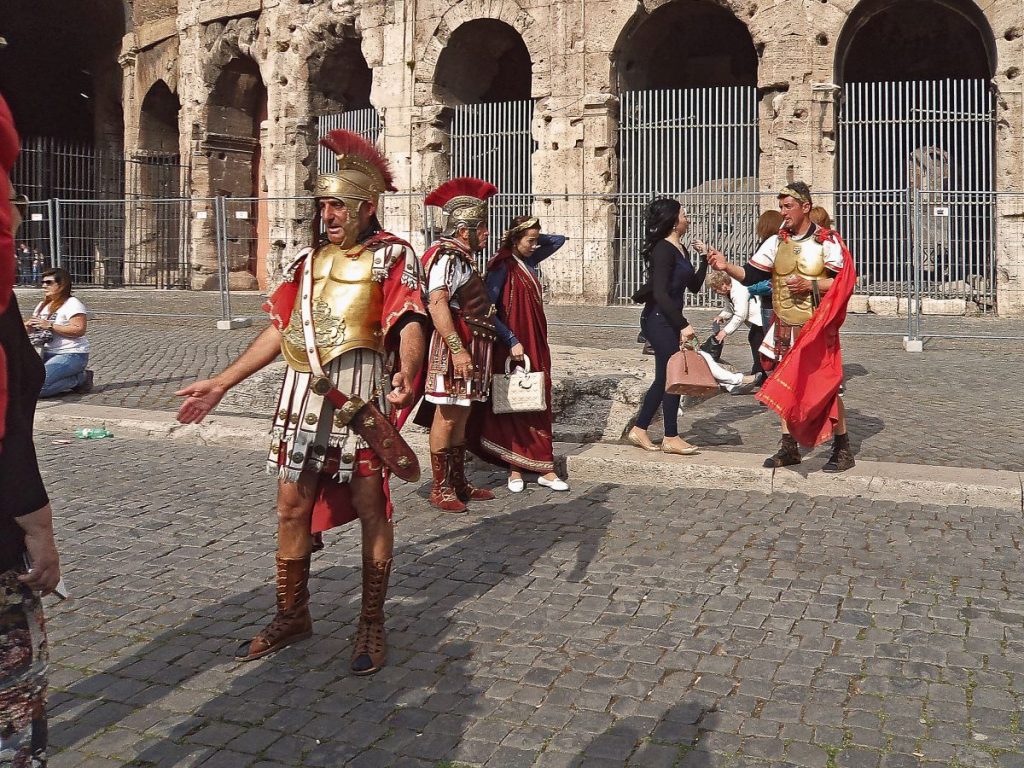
[
  {"x": 810, "y": 269},
  {"x": 350, "y": 311}
]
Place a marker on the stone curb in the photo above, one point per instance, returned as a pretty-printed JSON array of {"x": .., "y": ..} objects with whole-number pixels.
[{"x": 617, "y": 464}]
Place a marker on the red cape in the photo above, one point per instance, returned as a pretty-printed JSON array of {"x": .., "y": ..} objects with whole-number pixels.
[
  {"x": 333, "y": 505},
  {"x": 804, "y": 388},
  {"x": 8, "y": 154}
]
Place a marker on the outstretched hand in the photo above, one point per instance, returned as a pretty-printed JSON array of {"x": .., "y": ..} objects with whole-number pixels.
[
  {"x": 716, "y": 260},
  {"x": 200, "y": 398},
  {"x": 402, "y": 395}
]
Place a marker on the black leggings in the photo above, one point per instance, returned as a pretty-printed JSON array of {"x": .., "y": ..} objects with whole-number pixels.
[
  {"x": 754, "y": 338},
  {"x": 665, "y": 340}
]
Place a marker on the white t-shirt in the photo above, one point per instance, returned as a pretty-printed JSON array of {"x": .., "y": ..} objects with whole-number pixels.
[
  {"x": 445, "y": 274},
  {"x": 64, "y": 344},
  {"x": 764, "y": 258}
]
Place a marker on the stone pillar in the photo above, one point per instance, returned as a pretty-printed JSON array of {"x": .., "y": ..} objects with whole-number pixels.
[{"x": 1009, "y": 160}]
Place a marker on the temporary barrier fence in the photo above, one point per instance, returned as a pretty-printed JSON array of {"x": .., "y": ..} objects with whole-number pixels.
[{"x": 934, "y": 272}]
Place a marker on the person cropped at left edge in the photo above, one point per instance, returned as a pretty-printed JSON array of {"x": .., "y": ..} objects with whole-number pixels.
[
  {"x": 26, "y": 520},
  {"x": 66, "y": 352},
  {"x": 521, "y": 441}
]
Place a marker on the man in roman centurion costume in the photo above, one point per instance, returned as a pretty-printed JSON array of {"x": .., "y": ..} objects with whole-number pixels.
[
  {"x": 812, "y": 277},
  {"x": 349, "y": 319},
  {"x": 459, "y": 360}
]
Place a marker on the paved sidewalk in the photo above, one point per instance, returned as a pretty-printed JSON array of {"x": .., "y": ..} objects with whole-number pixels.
[
  {"x": 955, "y": 405},
  {"x": 609, "y": 626}
]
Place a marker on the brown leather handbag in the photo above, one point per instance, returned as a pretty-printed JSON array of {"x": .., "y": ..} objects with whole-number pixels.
[{"x": 688, "y": 374}]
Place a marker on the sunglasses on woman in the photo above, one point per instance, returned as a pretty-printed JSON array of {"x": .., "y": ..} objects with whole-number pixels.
[{"x": 49, "y": 282}]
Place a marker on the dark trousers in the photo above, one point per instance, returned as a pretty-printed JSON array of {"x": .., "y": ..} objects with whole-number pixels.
[
  {"x": 665, "y": 340},
  {"x": 754, "y": 338}
]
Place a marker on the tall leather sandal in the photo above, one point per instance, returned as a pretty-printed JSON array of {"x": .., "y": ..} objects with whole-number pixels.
[
  {"x": 292, "y": 621},
  {"x": 371, "y": 646},
  {"x": 442, "y": 494},
  {"x": 465, "y": 490},
  {"x": 787, "y": 455},
  {"x": 842, "y": 457}
]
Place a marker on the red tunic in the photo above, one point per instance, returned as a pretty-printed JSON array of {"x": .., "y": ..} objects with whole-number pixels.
[
  {"x": 804, "y": 387},
  {"x": 403, "y": 294},
  {"x": 8, "y": 154},
  {"x": 522, "y": 440}
]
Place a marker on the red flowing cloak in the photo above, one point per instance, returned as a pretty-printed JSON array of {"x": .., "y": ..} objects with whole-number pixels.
[
  {"x": 333, "y": 506},
  {"x": 522, "y": 440},
  {"x": 8, "y": 154},
  {"x": 804, "y": 387}
]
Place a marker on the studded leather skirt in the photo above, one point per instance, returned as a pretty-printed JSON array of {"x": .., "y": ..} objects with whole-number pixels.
[{"x": 305, "y": 435}]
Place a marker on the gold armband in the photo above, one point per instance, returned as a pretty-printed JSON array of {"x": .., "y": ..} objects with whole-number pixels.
[{"x": 454, "y": 343}]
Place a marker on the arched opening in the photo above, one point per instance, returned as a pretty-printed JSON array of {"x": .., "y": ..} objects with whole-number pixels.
[
  {"x": 340, "y": 82},
  {"x": 685, "y": 44},
  {"x": 485, "y": 74},
  {"x": 72, "y": 92},
  {"x": 484, "y": 62},
  {"x": 158, "y": 223},
  {"x": 687, "y": 80},
  {"x": 61, "y": 77},
  {"x": 915, "y": 159},
  {"x": 235, "y": 113},
  {"x": 158, "y": 120},
  {"x": 884, "y": 41}
]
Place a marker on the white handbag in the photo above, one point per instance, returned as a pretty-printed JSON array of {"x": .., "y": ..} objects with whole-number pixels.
[{"x": 518, "y": 391}]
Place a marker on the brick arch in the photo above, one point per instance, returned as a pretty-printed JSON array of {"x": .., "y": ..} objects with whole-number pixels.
[{"x": 512, "y": 14}]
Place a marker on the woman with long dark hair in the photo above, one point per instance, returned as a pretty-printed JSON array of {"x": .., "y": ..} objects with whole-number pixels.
[
  {"x": 670, "y": 273},
  {"x": 66, "y": 353},
  {"x": 521, "y": 441}
]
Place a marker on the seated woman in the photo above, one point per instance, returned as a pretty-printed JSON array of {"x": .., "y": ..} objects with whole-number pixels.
[
  {"x": 521, "y": 441},
  {"x": 66, "y": 354}
]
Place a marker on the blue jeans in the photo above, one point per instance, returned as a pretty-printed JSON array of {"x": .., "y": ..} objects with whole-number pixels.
[{"x": 64, "y": 372}]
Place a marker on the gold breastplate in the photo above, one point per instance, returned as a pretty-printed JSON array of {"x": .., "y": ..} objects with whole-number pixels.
[
  {"x": 805, "y": 258},
  {"x": 347, "y": 305}
]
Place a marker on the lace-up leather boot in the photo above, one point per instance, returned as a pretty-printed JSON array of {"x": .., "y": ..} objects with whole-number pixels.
[
  {"x": 442, "y": 494},
  {"x": 465, "y": 490},
  {"x": 371, "y": 646},
  {"x": 292, "y": 621}
]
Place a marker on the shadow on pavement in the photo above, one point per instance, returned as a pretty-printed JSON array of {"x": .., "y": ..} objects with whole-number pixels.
[{"x": 302, "y": 704}]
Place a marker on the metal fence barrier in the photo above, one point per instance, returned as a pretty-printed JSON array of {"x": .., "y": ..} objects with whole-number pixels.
[{"x": 919, "y": 255}]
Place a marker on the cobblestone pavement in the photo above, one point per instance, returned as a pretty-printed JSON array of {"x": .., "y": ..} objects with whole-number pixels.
[
  {"x": 955, "y": 405},
  {"x": 603, "y": 627}
]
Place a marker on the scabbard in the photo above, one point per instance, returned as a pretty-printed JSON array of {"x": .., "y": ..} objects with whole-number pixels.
[{"x": 367, "y": 421}]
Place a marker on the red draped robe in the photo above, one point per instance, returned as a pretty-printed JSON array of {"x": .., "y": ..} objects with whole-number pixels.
[
  {"x": 522, "y": 440},
  {"x": 8, "y": 154},
  {"x": 804, "y": 387},
  {"x": 333, "y": 505}
]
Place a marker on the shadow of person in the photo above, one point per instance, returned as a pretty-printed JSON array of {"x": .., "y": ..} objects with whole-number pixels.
[
  {"x": 853, "y": 370},
  {"x": 715, "y": 426},
  {"x": 684, "y": 735},
  {"x": 464, "y": 598}
]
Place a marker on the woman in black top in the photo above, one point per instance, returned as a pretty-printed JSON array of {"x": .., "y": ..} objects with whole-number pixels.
[{"x": 670, "y": 274}]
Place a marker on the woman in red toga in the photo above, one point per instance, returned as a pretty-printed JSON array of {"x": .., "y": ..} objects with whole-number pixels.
[{"x": 522, "y": 441}]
